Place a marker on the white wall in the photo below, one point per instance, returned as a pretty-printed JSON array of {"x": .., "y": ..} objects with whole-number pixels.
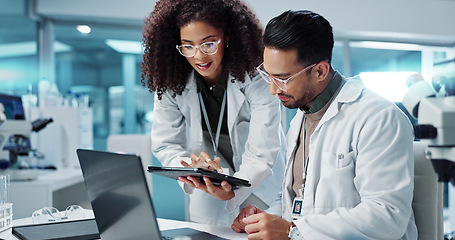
[
  {"x": 423, "y": 21},
  {"x": 117, "y": 11},
  {"x": 419, "y": 21}
]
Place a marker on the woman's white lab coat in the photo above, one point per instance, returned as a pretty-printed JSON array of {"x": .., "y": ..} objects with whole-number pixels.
[
  {"x": 256, "y": 136},
  {"x": 360, "y": 174}
]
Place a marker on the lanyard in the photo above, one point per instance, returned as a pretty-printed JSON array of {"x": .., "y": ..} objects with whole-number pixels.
[
  {"x": 305, "y": 167},
  {"x": 305, "y": 162},
  {"x": 220, "y": 122}
]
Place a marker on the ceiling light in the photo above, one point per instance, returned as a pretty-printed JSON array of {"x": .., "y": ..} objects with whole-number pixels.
[
  {"x": 395, "y": 46},
  {"x": 123, "y": 46},
  {"x": 84, "y": 29},
  {"x": 28, "y": 48}
]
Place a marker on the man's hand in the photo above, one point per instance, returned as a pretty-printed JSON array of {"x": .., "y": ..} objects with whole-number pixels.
[
  {"x": 239, "y": 225},
  {"x": 266, "y": 226}
]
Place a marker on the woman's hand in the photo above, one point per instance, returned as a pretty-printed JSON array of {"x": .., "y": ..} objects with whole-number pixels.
[
  {"x": 203, "y": 161},
  {"x": 223, "y": 192}
]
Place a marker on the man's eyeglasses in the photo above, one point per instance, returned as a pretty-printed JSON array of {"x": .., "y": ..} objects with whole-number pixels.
[
  {"x": 280, "y": 83},
  {"x": 208, "y": 48}
]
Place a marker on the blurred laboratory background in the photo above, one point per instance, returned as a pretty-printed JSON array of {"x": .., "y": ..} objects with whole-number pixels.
[{"x": 79, "y": 63}]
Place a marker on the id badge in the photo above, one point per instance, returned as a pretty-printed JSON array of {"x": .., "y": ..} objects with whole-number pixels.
[{"x": 297, "y": 208}]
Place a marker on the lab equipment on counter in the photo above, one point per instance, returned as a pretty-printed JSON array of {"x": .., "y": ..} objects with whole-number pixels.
[
  {"x": 6, "y": 208},
  {"x": 435, "y": 112},
  {"x": 15, "y": 148}
]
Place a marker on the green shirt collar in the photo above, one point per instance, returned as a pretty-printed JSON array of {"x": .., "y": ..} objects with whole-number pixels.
[
  {"x": 220, "y": 85},
  {"x": 324, "y": 97}
]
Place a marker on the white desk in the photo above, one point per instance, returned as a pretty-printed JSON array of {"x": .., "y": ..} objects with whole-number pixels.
[
  {"x": 225, "y": 232},
  {"x": 52, "y": 188},
  {"x": 164, "y": 224}
]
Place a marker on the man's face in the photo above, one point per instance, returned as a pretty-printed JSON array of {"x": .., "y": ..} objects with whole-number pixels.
[{"x": 283, "y": 64}]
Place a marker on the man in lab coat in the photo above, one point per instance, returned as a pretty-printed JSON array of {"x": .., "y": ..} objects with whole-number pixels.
[{"x": 349, "y": 173}]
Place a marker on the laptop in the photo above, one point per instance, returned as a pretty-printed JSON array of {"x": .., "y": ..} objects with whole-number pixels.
[{"x": 120, "y": 198}]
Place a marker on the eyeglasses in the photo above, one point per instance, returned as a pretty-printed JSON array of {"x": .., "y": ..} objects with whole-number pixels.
[
  {"x": 208, "y": 48},
  {"x": 51, "y": 214},
  {"x": 280, "y": 83}
]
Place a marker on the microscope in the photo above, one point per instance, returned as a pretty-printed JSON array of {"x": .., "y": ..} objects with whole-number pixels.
[
  {"x": 14, "y": 142},
  {"x": 434, "y": 108}
]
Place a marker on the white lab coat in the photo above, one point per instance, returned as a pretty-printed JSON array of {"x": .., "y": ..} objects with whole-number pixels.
[
  {"x": 368, "y": 193},
  {"x": 256, "y": 136}
]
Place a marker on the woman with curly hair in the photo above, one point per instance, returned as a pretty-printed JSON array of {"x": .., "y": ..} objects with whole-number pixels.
[{"x": 199, "y": 59}]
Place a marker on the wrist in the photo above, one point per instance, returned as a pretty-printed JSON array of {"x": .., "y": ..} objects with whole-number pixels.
[{"x": 294, "y": 233}]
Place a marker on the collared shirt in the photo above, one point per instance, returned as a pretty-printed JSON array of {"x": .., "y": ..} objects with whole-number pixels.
[{"x": 324, "y": 97}]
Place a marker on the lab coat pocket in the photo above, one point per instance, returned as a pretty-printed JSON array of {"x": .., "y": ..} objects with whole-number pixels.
[{"x": 336, "y": 184}]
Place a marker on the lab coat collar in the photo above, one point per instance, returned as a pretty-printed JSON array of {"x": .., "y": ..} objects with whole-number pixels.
[
  {"x": 350, "y": 92},
  {"x": 235, "y": 96},
  {"x": 191, "y": 85}
]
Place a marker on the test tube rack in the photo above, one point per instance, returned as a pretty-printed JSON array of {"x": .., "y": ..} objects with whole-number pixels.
[{"x": 6, "y": 216}]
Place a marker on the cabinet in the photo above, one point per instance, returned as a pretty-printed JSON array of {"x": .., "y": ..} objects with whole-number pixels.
[
  {"x": 72, "y": 129},
  {"x": 52, "y": 188}
]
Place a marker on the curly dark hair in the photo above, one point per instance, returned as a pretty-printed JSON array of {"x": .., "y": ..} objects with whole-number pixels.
[{"x": 163, "y": 68}]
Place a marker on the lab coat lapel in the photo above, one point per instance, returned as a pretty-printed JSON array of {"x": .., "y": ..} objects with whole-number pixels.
[
  {"x": 291, "y": 140},
  {"x": 190, "y": 106},
  {"x": 346, "y": 95},
  {"x": 293, "y": 134},
  {"x": 235, "y": 99}
]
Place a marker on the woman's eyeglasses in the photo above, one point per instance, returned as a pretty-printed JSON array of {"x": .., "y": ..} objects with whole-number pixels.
[{"x": 208, "y": 48}]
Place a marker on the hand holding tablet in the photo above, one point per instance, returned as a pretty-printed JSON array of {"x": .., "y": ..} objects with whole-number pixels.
[
  {"x": 205, "y": 174},
  {"x": 199, "y": 173}
]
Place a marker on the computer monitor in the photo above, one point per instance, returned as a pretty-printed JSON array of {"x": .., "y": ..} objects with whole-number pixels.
[
  {"x": 13, "y": 110},
  {"x": 13, "y": 106}
]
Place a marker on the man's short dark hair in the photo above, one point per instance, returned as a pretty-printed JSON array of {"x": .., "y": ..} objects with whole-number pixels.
[{"x": 307, "y": 32}]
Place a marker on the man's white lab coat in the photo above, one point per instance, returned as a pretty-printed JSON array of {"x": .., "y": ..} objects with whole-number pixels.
[{"x": 361, "y": 171}]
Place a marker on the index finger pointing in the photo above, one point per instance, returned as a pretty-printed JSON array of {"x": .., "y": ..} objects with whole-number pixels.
[{"x": 215, "y": 165}]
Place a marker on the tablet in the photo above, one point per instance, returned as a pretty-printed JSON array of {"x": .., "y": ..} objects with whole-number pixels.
[{"x": 198, "y": 173}]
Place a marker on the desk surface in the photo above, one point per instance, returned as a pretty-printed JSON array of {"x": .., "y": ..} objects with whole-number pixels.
[{"x": 164, "y": 224}]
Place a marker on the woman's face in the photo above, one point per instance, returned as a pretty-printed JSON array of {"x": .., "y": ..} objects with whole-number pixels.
[{"x": 196, "y": 33}]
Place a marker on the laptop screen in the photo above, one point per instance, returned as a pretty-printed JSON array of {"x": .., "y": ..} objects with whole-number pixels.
[{"x": 119, "y": 195}]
